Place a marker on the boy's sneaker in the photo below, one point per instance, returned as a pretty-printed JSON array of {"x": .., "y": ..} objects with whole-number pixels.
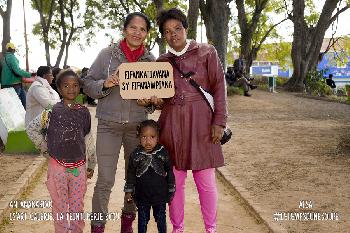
[
  {"x": 97, "y": 228},
  {"x": 253, "y": 86},
  {"x": 247, "y": 94}
]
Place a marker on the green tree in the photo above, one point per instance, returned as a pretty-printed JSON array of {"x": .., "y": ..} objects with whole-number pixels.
[
  {"x": 216, "y": 16},
  {"x": 277, "y": 52},
  {"x": 255, "y": 26},
  {"x": 45, "y": 9},
  {"x": 192, "y": 17},
  {"x": 309, "y": 31},
  {"x": 61, "y": 24}
]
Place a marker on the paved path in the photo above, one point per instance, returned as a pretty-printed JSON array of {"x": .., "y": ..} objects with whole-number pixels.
[{"x": 232, "y": 216}]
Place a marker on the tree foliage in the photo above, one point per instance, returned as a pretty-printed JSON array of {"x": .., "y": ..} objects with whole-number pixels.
[
  {"x": 277, "y": 52},
  {"x": 61, "y": 24},
  {"x": 255, "y": 25},
  {"x": 308, "y": 37}
]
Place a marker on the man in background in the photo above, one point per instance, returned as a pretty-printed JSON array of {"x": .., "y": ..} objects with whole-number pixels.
[
  {"x": 11, "y": 74},
  {"x": 240, "y": 77},
  {"x": 330, "y": 82}
]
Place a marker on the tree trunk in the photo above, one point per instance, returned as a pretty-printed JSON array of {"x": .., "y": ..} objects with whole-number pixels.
[
  {"x": 216, "y": 15},
  {"x": 161, "y": 45},
  {"x": 160, "y": 40},
  {"x": 307, "y": 41},
  {"x": 192, "y": 17},
  {"x": 248, "y": 29},
  {"x": 249, "y": 58},
  {"x": 47, "y": 51},
  {"x": 60, "y": 54},
  {"x": 66, "y": 57},
  {"x": 68, "y": 44},
  {"x": 6, "y": 25},
  {"x": 45, "y": 25},
  {"x": 64, "y": 33}
]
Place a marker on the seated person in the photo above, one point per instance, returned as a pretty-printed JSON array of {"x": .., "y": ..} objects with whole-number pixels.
[
  {"x": 240, "y": 78},
  {"x": 230, "y": 76},
  {"x": 330, "y": 82},
  {"x": 40, "y": 94}
]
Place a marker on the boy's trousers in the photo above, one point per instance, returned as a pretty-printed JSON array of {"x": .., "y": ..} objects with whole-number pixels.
[
  {"x": 110, "y": 137},
  {"x": 67, "y": 193},
  {"x": 208, "y": 197}
]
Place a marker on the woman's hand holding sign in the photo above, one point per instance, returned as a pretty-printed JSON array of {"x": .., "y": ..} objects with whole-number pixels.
[
  {"x": 154, "y": 100},
  {"x": 143, "y": 102},
  {"x": 157, "y": 102},
  {"x": 112, "y": 80}
]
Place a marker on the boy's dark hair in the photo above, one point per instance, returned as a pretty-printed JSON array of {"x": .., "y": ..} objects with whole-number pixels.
[
  {"x": 172, "y": 13},
  {"x": 64, "y": 73},
  {"x": 130, "y": 16},
  {"x": 85, "y": 69},
  {"x": 42, "y": 70},
  {"x": 147, "y": 123},
  {"x": 330, "y": 76},
  {"x": 55, "y": 71}
]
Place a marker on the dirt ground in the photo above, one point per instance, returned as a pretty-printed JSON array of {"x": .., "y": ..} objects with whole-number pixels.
[
  {"x": 287, "y": 149},
  {"x": 11, "y": 168},
  {"x": 232, "y": 216}
]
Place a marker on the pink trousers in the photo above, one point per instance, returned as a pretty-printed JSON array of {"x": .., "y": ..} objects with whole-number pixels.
[
  {"x": 208, "y": 197},
  {"x": 67, "y": 193}
]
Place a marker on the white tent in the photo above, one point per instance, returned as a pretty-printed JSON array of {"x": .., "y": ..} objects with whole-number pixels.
[{"x": 12, "y": 113}]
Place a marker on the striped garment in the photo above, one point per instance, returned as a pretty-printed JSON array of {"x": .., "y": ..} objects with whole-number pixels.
[{"x": 70, "y": 165}]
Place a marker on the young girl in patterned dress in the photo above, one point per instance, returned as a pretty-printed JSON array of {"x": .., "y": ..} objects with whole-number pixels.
[{"x": 66, "y": 177}]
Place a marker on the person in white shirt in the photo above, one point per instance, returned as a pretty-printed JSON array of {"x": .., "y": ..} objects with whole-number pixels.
[{"x": 40, "y": 94}]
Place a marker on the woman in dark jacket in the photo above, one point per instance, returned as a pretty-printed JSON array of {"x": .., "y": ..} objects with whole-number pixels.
[{"x": 189, "y": 130}]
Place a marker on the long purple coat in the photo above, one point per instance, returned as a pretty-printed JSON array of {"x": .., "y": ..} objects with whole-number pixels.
[{"x": 186, "y": 119}]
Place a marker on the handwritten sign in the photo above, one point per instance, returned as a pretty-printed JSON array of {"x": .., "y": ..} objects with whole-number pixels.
[{"x": 145, "y": 79}]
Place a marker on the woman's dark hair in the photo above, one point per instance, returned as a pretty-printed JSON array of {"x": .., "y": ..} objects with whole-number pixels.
[
  {"x": 42, "y": 70},
  {"x": 172, "y": 13},
  {"x": 130, "y": 16},
  {"x": 64, "y": 73},
  {"x": 147, "y": 123}
]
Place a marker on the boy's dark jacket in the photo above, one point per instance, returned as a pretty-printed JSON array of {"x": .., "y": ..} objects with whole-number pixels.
[{"x": 150, "y": 176}]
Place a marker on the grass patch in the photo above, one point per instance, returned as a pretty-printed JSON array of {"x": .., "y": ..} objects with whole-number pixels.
[
  {"x": 27, "y": 191},
  {"x": 5, "y": 221},
  {"x": 231, "y": 90},
  {"x": 280, "y": 81}
]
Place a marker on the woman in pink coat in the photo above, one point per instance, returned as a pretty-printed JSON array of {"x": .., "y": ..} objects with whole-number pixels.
[{"x": 189, "y": 129}]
